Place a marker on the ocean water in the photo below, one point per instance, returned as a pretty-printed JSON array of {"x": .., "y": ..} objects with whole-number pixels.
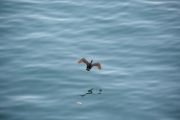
[{"x": 137, "y": 43}]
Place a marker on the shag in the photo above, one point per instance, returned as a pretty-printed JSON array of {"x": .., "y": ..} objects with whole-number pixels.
[{"x": 89, "y": 65}]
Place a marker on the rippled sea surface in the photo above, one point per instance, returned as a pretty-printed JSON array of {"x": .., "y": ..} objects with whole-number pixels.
[{"x": 137, "y": 43}]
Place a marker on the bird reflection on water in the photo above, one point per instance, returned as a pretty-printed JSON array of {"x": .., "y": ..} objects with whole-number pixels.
[{"x": 90, "y": 91}]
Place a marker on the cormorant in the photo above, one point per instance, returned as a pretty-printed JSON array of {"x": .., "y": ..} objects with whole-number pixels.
[{"x": 89, "y": 65}]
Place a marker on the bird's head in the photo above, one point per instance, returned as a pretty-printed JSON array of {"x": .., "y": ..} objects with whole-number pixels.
[{"x": 91, "y": 61}]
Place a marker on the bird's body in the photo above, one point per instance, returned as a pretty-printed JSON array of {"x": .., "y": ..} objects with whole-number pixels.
[{"x": 89, "y": 65}]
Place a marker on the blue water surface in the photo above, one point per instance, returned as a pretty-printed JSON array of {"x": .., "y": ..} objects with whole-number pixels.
[{"x": 137, "y": 43}]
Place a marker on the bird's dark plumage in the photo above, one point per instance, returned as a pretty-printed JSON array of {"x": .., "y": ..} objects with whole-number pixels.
[{"x": 89, "y": 65}]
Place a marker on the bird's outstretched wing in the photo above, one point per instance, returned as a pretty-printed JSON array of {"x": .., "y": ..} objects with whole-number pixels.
[
  {"x": 83, "y": 60},
  {"x": 98, "y": 65}
]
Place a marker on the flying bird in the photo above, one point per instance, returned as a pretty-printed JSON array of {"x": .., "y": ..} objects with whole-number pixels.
[{"x": 89, "y": 65}]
